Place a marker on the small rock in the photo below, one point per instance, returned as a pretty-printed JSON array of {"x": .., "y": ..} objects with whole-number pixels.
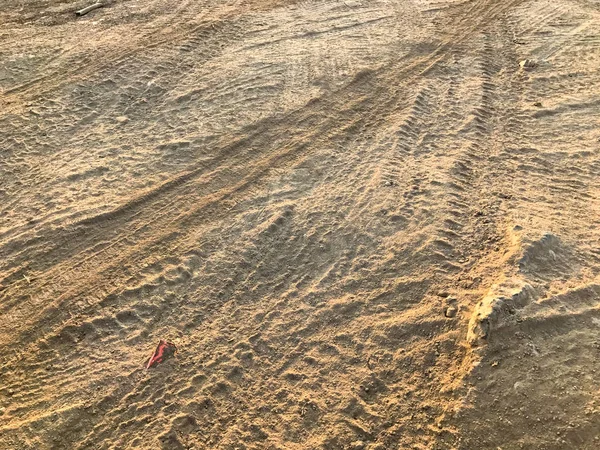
[
  {"x": 451, "y": 311},
  {"x": 122, "y": 119},
  {"x": 357, "y": 445},
  {"x": 538, "y": 104},
  {"x": 527, "y": 64}
]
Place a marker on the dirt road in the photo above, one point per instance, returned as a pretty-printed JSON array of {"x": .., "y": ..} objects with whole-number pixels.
[{"x": 365, "y": 224}]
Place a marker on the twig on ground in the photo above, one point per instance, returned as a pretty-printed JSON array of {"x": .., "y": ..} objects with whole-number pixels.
[{"x": 86, "y": 10}]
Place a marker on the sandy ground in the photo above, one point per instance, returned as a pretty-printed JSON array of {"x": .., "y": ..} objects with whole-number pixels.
[{"x": 365, "y": 224}]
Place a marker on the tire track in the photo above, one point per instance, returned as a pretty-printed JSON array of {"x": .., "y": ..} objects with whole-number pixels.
[
  {"x": 81, "y": 269},
  {"x": 165, "y": 34},
  {"x": 309, "y": 117}
]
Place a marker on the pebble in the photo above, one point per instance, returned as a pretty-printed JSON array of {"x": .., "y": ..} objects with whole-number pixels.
[
  {"x": 357, "y": 445},
  {"x": 451, "y": 311},
  {"x": 527, "y": 64}
]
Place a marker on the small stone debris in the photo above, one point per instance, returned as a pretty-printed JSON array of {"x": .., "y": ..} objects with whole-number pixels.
[
  {"x": 388, "y": 183},
  {"x": 451, "y": 311},
  {"x": 357, "y": 445},
  {"x": 538, "y": 104},
  {"x": 122, "y": 119},
  {"x": 527, "y": 64}
]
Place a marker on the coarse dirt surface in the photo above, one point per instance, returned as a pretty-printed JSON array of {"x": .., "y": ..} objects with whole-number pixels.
[{"x": 364, "y": 224}]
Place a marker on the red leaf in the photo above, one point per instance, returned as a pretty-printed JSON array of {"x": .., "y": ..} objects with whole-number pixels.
[{"x": 164, "y": 350}]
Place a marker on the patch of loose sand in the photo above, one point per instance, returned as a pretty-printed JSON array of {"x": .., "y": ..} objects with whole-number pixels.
[{"x": 366, "y": 225}]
